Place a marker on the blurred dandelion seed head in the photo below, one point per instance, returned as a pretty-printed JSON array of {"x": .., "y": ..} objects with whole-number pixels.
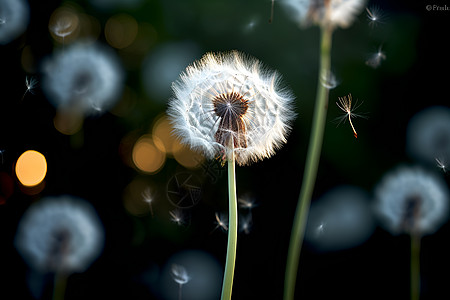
[
  {"x": 340, "y": 219},
  {"x": 324, "y": 13},
  {"x": 60, "y": 234},
  {"x": 14, "y": 18},
  {"x": 84, "y": 77},
  {"x": 230, "y": 102},
  {"x": 411, "y": 200},
  {"x": 428, "y": 135}
]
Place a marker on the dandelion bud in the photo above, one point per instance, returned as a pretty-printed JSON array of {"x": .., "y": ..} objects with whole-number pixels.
[{"x": 229, "y": 102}]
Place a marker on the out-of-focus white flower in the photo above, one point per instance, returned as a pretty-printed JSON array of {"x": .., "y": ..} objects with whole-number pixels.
[
  {"x": 163, "y": 66},
  {"x": 179, "y": 274},
  {"x": 428, "y": 135},
  {"x": 85, "y": 77},
  {"x": 342, "y": 218},
  {"x": 324, "y": 12},
  {"x": 14, "y": 18},
  {"x": 411, "y": 200},
  {"x": 60, "y": 234},
  {"x": 230, "y": 102}
]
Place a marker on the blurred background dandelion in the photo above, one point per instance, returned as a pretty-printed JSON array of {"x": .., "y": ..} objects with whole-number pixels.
[{"x": 85, "y": 85}]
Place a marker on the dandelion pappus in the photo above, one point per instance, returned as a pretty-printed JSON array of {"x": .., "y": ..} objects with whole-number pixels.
[{"x": 345, "y": 104}]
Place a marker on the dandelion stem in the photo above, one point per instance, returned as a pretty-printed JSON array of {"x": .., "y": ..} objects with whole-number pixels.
[
  {"x": 312, "y": 163},
  {"x": 415, "y": 266},
  {"x": 232, "y": 231},
  {"x": 59, "y": 288}
]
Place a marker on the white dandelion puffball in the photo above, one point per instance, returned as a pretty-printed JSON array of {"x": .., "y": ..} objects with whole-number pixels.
[
  {"x": 14, "y": 18},
  {"x": 411, "y": 200},
  {"x": 85, "y": 77},
  {"x": 428, "y": 135},
  {"x": 333, "y": 13},
  {"x": 340, "y": 219},
  {"x": 229, "y": 102},
  {"x": 60, "y": 234}
]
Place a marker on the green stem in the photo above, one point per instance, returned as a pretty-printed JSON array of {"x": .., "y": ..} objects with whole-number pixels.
[
  {"x": 415, "y": 266},
  {"x": 312, "y": 163},
  {"x": 59, "y": 288},
  {"x": 228, "y": 276}
]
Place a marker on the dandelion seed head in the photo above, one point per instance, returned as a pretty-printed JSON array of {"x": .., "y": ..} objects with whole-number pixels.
[
  {"x": 230, "y": 102},
  {"x": 14, "y": 18},
  {"x": 60, "y": 234},
  {"x": 83, "y": 77},
  {"x": 324, "y": 13},
  {"x": 411, "y": 200},
  {"x": 339, "y": 219},
  {"x": 428, "y": 135}
]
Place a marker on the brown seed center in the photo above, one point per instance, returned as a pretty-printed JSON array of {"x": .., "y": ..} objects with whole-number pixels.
[{"x": 231, "y": 109}]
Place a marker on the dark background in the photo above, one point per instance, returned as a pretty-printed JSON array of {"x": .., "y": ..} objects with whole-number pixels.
[{"x": 414, "y": 76}]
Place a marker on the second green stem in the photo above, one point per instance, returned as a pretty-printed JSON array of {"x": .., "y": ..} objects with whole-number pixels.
[{"x": 312, "y": 163}]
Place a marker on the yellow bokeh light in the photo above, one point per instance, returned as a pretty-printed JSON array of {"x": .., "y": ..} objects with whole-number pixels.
[
  {"x": 31, "y": 168},
  {"x": 147, "y": 155},
  {"x": 64, "y": 24},
  {"x": 163, "y": 130},
  {"x": 121, "y": 30},
  {"x": 187, "y": 157}
]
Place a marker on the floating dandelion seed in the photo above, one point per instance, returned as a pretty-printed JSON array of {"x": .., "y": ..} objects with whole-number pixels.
[
  {"x": 176, "y": 216},
  {"x": 148, "y": 198},
  {"x": 441, "y": 164},
  {"x": 345, "y": 104},
  {"x": 228, "y": 102},
  {"x": 221, "y": 222},
  {"x": 375, "y": 15},
  {"x": 375, "y": 59},
  {"x": 30, "y": 83},
  {"x": 245, "y": 223},
  {"x": 329, "y": 80},
  {"x": 247, "y": 202}
]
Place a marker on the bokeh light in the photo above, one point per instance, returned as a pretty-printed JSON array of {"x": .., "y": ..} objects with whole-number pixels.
[
  {"x": 164, "y": 64},
  {"x": 64, "y": 25},
  {"x": 121, "y": 30},
  {"x": 147, "y": 156},
  {"x": 68, "y": 122},
  {"x": 31, "y": 168}
]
